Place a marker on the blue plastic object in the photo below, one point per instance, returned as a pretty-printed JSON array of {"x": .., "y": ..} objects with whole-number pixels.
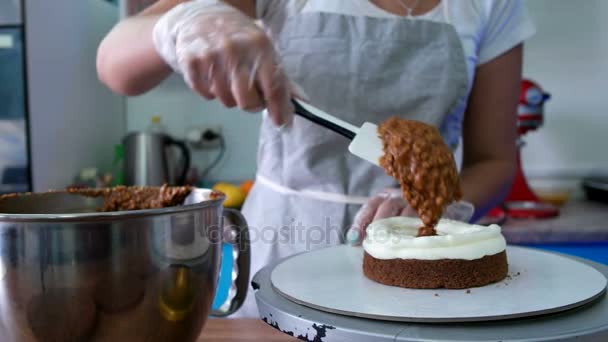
[
  {"x": 595, "y": 251},
  {"x": 225, "y": 278}
]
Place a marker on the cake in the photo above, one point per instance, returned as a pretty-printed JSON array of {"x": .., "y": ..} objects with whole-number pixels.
[
  {"x": 460, "y": 256},
  {"x": 428, "y": 252}
]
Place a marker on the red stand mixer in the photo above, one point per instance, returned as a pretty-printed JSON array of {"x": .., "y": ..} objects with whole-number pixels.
[{"x": 522, "y": 202}]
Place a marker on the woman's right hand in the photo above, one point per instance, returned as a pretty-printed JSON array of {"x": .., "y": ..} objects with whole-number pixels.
[{"x": 222, "y": 53}]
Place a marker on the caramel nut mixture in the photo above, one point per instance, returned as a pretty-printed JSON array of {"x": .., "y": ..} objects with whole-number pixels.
[
  {"x": 417, "y": 156},
  {"x": 137, "y": 198}
]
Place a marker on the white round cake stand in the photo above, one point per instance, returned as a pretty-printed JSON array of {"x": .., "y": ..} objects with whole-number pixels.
[
  {"x": 588, "y": 322},
  {"x": 332, "y": 279}
]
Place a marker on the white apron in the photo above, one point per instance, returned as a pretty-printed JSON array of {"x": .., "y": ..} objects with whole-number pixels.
[{"x": 309, "y": 187}]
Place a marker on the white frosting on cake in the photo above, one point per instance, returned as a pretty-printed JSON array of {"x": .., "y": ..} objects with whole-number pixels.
[{"x": 395, "y": 238}]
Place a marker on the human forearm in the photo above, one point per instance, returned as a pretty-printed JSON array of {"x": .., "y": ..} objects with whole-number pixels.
[
  {"x": 489, "y": 131},
  {"x": 486, "y": 183},
  {"x": 215, "y": 45},
  {"x": 127, "y": 61}
]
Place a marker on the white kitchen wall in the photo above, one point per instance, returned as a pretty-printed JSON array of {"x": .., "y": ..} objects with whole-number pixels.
[
  {"x": 568, "y": 57},
  {"x": 74, "y": 120},
  {"x": 181, "y": 110}
]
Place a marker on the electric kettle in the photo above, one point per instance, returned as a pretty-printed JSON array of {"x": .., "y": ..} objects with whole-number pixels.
[{"x": 150, "y": 159}]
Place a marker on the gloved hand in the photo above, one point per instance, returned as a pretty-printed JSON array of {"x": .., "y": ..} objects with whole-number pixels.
[
  {"x": 390, "y": 203},
  {"x": 224, "y": 54}
]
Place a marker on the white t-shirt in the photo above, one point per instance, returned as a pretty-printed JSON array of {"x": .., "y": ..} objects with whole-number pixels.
[{"x": 487, "y": 28}]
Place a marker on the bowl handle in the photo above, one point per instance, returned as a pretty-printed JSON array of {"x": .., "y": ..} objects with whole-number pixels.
[{"x": 236, "y": 233}]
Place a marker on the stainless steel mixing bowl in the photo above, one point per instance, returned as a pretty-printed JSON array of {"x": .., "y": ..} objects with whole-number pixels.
[{"x": 69, "y": 273}]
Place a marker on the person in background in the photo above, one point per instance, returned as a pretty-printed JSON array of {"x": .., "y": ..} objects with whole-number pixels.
[{"x": 455, "y": 64}]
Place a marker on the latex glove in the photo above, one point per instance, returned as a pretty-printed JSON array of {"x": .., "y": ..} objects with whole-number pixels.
[
  {"x": 224, "y": 54},
  {"x": 390, "y": 203}
]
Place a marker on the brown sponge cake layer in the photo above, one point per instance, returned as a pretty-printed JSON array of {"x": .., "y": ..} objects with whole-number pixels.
[{"x": 433, "y": 274}]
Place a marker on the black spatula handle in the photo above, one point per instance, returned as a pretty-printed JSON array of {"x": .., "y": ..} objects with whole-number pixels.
[{"x": 301, "y": 111}]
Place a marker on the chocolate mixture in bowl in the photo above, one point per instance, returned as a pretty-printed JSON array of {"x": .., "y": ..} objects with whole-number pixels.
[
  {"x": 137, "y": 198},
  {"x": 416, "y": 155}
]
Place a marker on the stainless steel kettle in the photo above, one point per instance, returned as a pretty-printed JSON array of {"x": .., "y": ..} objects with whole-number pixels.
[{"x": 149, "y": 160}]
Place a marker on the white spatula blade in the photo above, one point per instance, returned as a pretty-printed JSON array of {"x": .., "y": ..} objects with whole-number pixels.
[{"x": 367, "y": 144}]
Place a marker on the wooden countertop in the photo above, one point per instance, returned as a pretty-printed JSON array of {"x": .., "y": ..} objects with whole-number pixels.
[{"x": 235, "y": 330}]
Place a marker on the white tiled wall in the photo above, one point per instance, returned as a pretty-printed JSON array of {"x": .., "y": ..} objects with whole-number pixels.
[{"x": 569, "y": 57}]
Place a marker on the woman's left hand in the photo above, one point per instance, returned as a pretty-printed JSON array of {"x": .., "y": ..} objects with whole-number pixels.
[{"x": 388, "y": 203}]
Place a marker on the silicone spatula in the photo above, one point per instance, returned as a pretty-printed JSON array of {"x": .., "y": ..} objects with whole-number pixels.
[{"x": 365, "y": 142}]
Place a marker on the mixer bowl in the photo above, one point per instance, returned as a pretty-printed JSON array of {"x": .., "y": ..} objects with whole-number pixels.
[{"x": 69, "y": 273}]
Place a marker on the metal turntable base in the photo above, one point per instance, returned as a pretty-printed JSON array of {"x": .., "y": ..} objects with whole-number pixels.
[{"x": 586, "y": 323}]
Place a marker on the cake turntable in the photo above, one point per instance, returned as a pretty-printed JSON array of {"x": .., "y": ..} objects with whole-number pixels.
[{"x": 323, "y": 296}]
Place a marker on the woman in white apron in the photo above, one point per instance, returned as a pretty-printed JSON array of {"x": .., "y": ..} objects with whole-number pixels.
[{"x": 453, "y": 64}]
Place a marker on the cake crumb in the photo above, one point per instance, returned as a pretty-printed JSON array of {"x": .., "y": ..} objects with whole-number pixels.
[
  {"x": 436, "y": 294},
  {"x": 468, "y": 291}
]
